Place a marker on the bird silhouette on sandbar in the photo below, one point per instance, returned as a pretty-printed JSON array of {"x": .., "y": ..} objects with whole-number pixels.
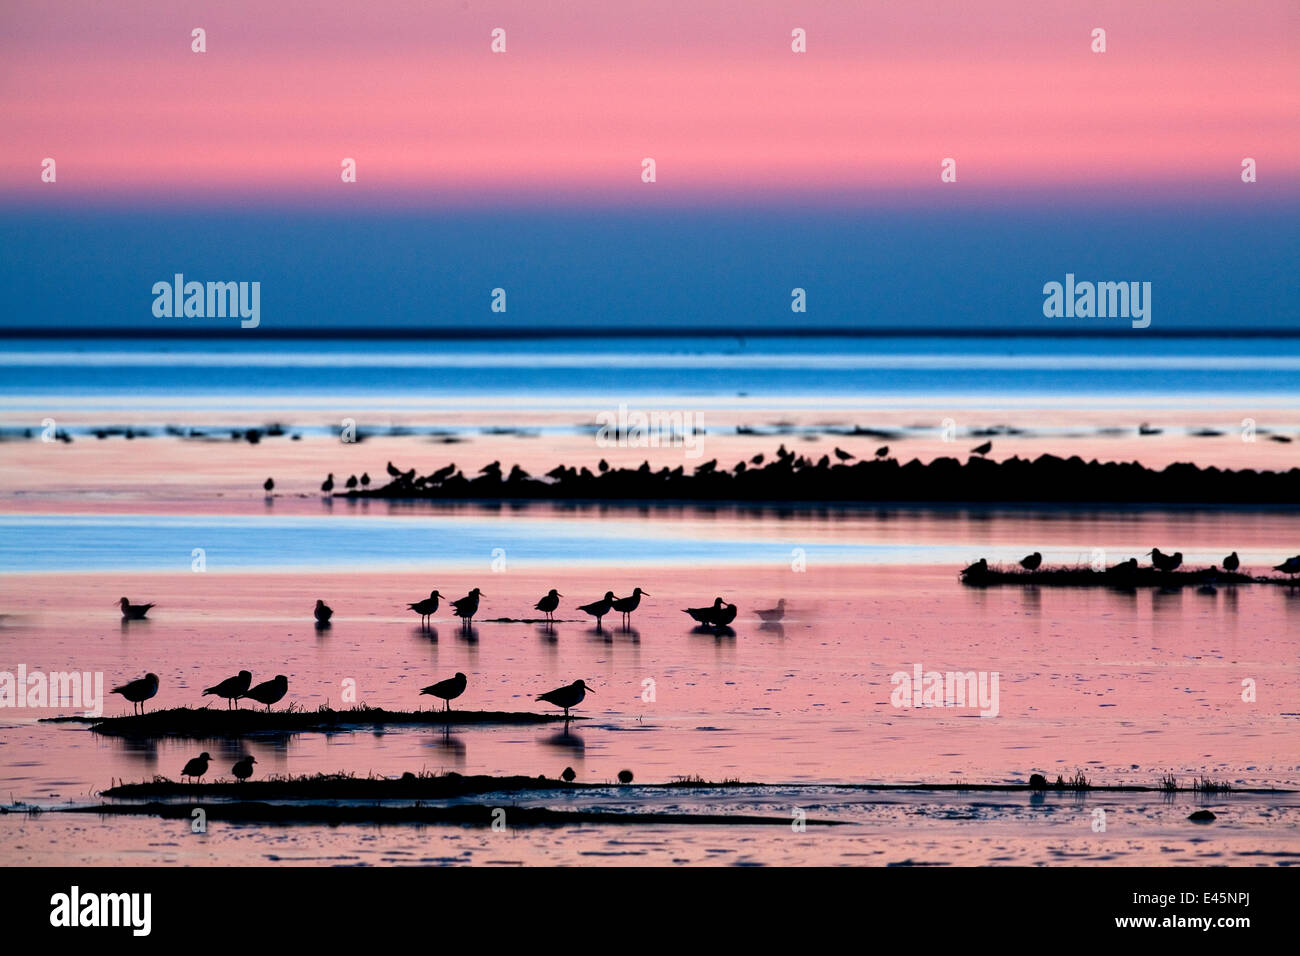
[
  {"x": 322, "y": 612},
  {"x": 570, "y": 695},
  {"x": 269, "y": 691},
  {"x": 1031, "y": 562},
  {"x": 627, "y": 605},
  {"x": 448, "y": 689},
  {"x": 138, "y": 691},
  {"x": 1165, "y": 562},
  {"x": 133, "y": 612},
  {"x": 232, "y": 688},
  {"x": 549, "y": 603},
  {"x": 243, "y": 768},
  {"x": 197, "y": 766}
]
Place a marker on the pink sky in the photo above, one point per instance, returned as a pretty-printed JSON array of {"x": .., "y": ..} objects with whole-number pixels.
[{"x": 586, "y": 90}]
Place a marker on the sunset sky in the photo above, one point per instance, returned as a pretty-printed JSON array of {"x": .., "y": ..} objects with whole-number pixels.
[{"x": 546, "y": 141}]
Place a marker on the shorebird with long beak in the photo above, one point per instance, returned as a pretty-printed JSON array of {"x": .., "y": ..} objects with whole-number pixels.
[
  {"x": 448, "y": 689},
  {"x": 467, "y": 606},
  {"x": 1290, "y": 566},
  {"x": 1165, "y": 562},
  {"x": 427, "y": 607},
  {"x": 570, "y": 695},
  {"x": 323, "y": 612},
  {"x": 704, "y": 615},
  {"x": 197, "y": 767},
  {"x": 133, "y": 612},
  {"x": 772, "y": 615},
  {"x": 549, "y": 603},
  {"x": 627, "y": 605},
  {"x": 599, "y": 609},
  {"x": 232, "y": 688},
  {"x": 138, "y": 691},
  {"x": 1031, "y": 562},
  {"x": 269, "y": 691},
  {"x": 1231, "y": 562},
  {"x": 243, "y": 769}
]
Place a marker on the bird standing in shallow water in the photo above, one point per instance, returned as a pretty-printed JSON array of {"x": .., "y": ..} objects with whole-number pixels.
[
  {"x": 427, "y": 607},
  {"x": 599, "y": 609},
  {"x": 448, "y": 689},
  {"x": 139, "y": 690},
  {"x": 328, "y": 484},
  {"x": 243, "y": 769},
  {"x": 724, "y": 616},
  {"x": 570, "y": 695},
  {"x": 197, "y": 767},
  {"x": 705, "y": 615},
  {"x": 773, "y": 615},
  {"x": 627, "y": 605},
  {"x": 549, "y": 603},
  {"x": 269, "y": 691},
  {"x": 232, "y": 688},
  {"x": 323, "y": 612},
  {"x": 467, "y": 606},
  {"x": 568, "y": 775},
  {"x": 1030, "y": 562},
  {"x": 133, "y": 612},
  {"x": 269, "y": 485}
]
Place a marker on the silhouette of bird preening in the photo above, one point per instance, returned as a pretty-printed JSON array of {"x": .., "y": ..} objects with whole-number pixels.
[
  {"x": 448, "y": 689},
  {"x": 232, "y": 688},
  {"x": 716, "y": 615},
  {"x": 138, "y": 691},
  {"x": 1165, "y": 562},
  {"x": 197, "y": 766},
  {"x": 549, "y": 603},
  {"x": 269, "y": 691},
  {"x": 427, "y": 607},
  {"x": 243, "y": 768},
  {"x": 570, "y": 695},
  {"x": 133, "y": 612}
]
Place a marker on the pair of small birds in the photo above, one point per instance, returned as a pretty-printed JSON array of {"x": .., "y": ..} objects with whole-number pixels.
[
  {"x": 721, "y": 614},
  {"x": 198, "y": 766},
  {"x": 232, "y": 689},
  {"x": 465, "y": 608},
  {"x": 570, "y": 695}
]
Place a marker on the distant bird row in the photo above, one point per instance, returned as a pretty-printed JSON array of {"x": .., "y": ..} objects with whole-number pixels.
[
  {"x": 231, "y": 689},
  {"x": 1159, "y": 560}
]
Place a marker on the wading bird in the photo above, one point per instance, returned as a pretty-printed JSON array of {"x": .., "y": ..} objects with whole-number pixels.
[
  {"x": 627, "y": 605},
  {"x": 724, "y": 616},
  {"x": 1030, "y": 562},
  {"x": 133, "y": 612},
  {"x": 570, "y": 695},
  {"x": 549, "y": 603},
  {"x": 704, "y": 615},
  {"x": 269, "y": 691},
  {"x": 197, "y": 767},
  {"x": 365, "y": 479},
  {"x": 328, "y": 484},
  {"x": 599, "y": 609},
  {"x": 773, "y": 615},
  {"x": 323, "y": 612},
  {"x": 568, "y": 775},
  {"x": 448, "y": 689},
  {"x": 1165, "y": 562},
  {"x": 427, "y": 607},
  {"x": 467, "y": 606},
  {"x": 269, "y": 485},
  {"x": 139, "y": 690},
  {"x": 244, "y": 768},
  {"x": 351, "y": 483},
  {"x": 232, "y": 688}
]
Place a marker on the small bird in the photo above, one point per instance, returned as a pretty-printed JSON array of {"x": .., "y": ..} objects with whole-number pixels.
[
  {"x": 882, "y": 451},
  {"x": 1289, "y": 566},
  {"x": 549, "y": 603},
  {"x": 323, "y": 612},
  {"x": 448, "y": 689},
  {"x": 139, "y": 690},
  {"x": 232, "y": 688},
  {"x": 772, "y": 615},
  {"x": 1165, "y": 562},
  {"x": 197, "y": 767},
  {"x": 351, "y": 482},
  {"x": 1231, "y": 562},
  {"x": 467, "y": 606},
  {"x": 427, "y": 607},
  {"x": 365, "y": 479},
  {"x": 757, "y": 459},
  {"x": 983, "y": 449},
  {"x": 1030, "y": 562},
  {"x": 392, "y": 470},
  {"x": 843, "y": 455},
  {"x": 625, "y": 776},
  {"x": 570, "y": 695},
  {"x": 269, "y": 485},
  {"x": 568, "y": 775},
  {"x": 269, "y": 691},
  {"x": 1124, "y": 567},
  {"x": 328, "y": 484},
  {"x": 627, "y": 605},
  {"x": 704, "y": 615},
  {"x": 244, "y": 768},
  {"x": 599, "y": 609},
  {"x": 133, "y": 612},
  {"x": 979, "y": 567}
]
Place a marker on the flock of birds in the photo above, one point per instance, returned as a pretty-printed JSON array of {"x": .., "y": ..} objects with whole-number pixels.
[{"x": 1159, "y": 560}]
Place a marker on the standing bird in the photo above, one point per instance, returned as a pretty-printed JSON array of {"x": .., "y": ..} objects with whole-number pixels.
[
  {"x": 882, "y": 451},
  {"x": 467, "y": 606},
  {"x": 232, "y": 688},
  {"x": 197, "y": 767},
  {"x": 1165, "y": 562},
  {"x": 549, "y": 603},
  {"x": 328, "y": 484},
  {"x": 627, "y": 605},
  {"x": 1231, "y": 562},
  {"x": 979, "y": 567},
  {"x": 704, "y": 615},
  {"x": 571, "y": 695},
  {"x": 448, "y": 689},
  {"x": 843, "y": 455},
  {"x": 773, "y": 615},
  {"x": 269, "y": 691},
  {"x": 244, "y": 768},
  {"x": 139, "y": 690},
  {"x": 625, "y": 776},
  {"x": 568, "y": 775},
  {"x": 323, "y": 612},
  {"x": 269, "y": 485},
  {"x": 1289, "y": 566},
  {"x": 133, "y": 612},
  {"x": 983, "y": 449},
  {"x": 1030, "y": 562},
  {"x": 365, "y": 479},
  {"x": 351, "y": 482},
  {"x": 427, "y": 607},
  {"x": 599, "y": 609},
  {"x": 392, "y": 470}
]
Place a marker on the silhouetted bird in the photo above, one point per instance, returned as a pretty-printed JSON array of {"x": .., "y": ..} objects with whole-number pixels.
[
  {"x": 517, "y": 474},
  {"x": 139, "y": 690},
  {"x": 197, "y": 767},
  {"x": 243, "y": 769},
  {"x": 627, "y": 605},
  {"x": 426, "y": 608},
  {"x": 1124, "y": 567},
  {"x": 772, "y": 615},
  {"x": 448, "y": 689},
  {"x": 570, "y": 695},
  {"x": 392, "y": 470},
  {"x": 442, "y": 474},
  {"x": 707, "y": 468},
  {"x": 568, "y": 775},
  {"x": 843, "y": 455},
  {"x": 232, "y": 688},
  {"x": 1231, "y": 562},
  {"x": 323, "y": 612},
  {"x": 1165, "y": 562},
  {"x": 549, "y": 603},
  {"x": 1290, "y": 566},
  {"x": 351, "y": 482},
  {"x": 625, "y": 776},
  {"x": 133, "y": 612},
  {"x": 1030, "y": 562},
  {"x": 724, "y": 616},
  {"x": 602, "y": 466},
  {"x": 365, "y": 479},
  {"x": 983, "y": 449},
  {"x": 328, "y": 484},
  {"x": 704, "y": 615},
  {"x": 882, "y": 451},
  {"x": 757, "y": 459},
  {"x": 979, "y": 567},
  {"x": 269, "y": 691},
  {"x": 492, "y": 471},
  {"x": 269, "y": 485},
  {"x": 467, "y": 606},
  {"x": 599, "y": 609}
]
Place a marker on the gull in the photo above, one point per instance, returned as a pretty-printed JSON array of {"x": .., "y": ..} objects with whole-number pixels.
[
  {"x": 1165, "y": 562},
  {"x": 549, "y": 603},
  {"x": 244, "y": 768},
  {"x": 1289, "y": 566},
  {"x": 599, "y": 609},
  {"x": 427, "y": 607},
  {"x": 197, "y": 767},
  {"x": 772, "y": 615},
  {"x": 139, "y": 690},
  {"x": 467, "y": 606},
  {"x": 570, "y": 695},
  {"x": 627, "y": 605},
  {"x": 705, "y": 615},
  {"x": 323, "y": 612},
  {"x": 1030, "y": 562},
  {"x": 133, "y": 612},
  {"x": 232, "y": 688},
  {"x": 269, "y": 691},
  {"x": 448, "y": 689}
]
